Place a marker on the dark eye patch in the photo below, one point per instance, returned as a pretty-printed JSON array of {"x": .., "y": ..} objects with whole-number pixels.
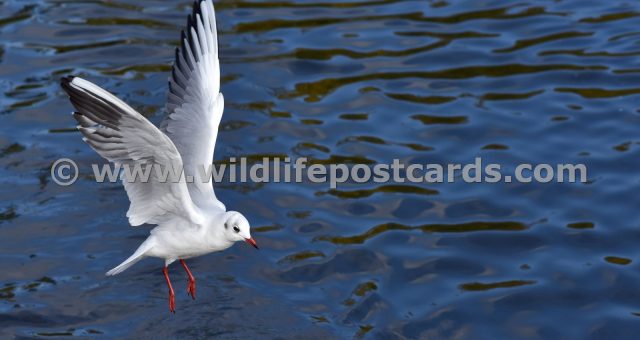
[{"x": 236, "y": 229}]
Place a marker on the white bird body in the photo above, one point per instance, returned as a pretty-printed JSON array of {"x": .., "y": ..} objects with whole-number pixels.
[
  {"x": 190, "y": 220},
  {"x": 170, "y": 241}
]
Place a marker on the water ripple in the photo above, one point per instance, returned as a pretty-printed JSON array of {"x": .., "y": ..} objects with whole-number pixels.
[{"x": 356, "y": 82}]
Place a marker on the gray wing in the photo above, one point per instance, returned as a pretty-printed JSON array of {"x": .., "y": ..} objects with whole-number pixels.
[
  {"x": 195, "y": 104},
  {"x": 123, "y": 136}
]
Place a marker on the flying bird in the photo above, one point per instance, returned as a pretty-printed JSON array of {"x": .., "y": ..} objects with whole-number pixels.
[{"x": 190, "y": 220}]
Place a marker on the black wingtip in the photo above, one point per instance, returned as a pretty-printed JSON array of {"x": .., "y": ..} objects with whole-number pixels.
[
  {"x": 196, "y": 11},
  {"x": 183, "y": 37},
  {"x": 197, "y": 8},
  {"x": 183, "y": 47},
  {"x": 64, "y": 82},
  {"x": 67, "y": 79},
  {"x": 190, "y": 22}
]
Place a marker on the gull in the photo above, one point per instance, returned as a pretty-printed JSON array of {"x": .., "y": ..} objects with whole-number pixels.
[{"x": 190, "y": 221}]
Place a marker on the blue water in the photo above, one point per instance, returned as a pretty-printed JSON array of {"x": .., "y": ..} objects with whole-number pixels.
[{"x": 422, "y": 81}]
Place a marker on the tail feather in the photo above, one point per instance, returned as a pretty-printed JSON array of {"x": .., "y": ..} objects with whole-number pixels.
[
  {"x": 124, "y": 265},
  {"x": 138, "y": 255}
]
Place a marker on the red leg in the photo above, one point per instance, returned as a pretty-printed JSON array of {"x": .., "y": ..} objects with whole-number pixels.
[
  {"x": 172, "y": 295},
  {"x": 191, "y": 289}
]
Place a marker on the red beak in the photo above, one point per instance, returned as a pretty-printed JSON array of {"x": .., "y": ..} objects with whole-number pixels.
[{"x": 252, "y": 242}]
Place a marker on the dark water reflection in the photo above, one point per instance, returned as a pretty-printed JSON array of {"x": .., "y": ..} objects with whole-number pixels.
[{"x": 356, "y": 82}]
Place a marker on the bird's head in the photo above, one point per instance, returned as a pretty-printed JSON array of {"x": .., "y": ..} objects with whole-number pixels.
[{"x": 236, "y": 228}]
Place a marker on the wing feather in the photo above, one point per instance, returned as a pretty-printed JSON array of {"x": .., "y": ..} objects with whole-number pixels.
[
  {"x": 123, "y": 136},
  {"x": 194, "y": 102}
]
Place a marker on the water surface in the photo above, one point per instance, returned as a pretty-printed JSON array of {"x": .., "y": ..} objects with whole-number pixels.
[{"x": 422, "y": 81}]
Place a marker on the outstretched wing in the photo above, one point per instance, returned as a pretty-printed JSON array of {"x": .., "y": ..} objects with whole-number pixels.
[
  {"x": 123, "y": 136},
  {"x": 195, "y": 104}
]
